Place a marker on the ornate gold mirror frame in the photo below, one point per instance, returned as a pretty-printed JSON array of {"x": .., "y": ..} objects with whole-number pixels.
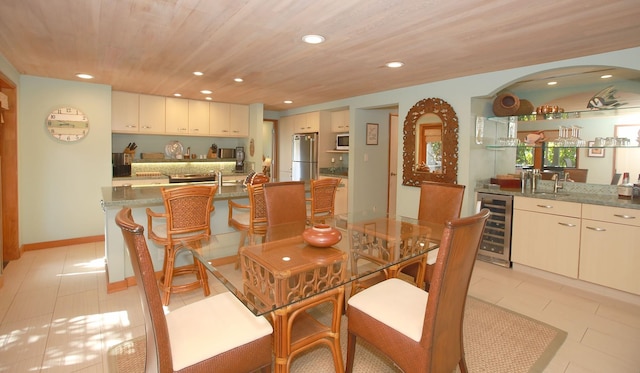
[{"x": 412, "y": 172}]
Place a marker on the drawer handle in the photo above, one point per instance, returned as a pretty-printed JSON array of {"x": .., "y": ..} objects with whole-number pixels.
[
  {"x": 624, "y": 216},
  {"x": 545, "y": 206},
  {"x": 567, "y": 224},
  {"x": 596, "y": 229}
]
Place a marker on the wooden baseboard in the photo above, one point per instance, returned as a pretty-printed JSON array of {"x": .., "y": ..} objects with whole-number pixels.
[
  {"x": 58, "y": 243},
  {"x": 113, "y": 287}
]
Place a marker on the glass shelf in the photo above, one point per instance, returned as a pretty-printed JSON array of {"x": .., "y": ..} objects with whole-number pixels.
[
  {"x": 501, "y": 147},
  {"x": 581, "y": 114}
]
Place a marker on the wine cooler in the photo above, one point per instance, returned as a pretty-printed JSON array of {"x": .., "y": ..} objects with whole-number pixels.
[{"x": 496, "y": 238}]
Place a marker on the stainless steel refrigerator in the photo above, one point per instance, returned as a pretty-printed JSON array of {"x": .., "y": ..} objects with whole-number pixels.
[{"x": 304, "y": 156}]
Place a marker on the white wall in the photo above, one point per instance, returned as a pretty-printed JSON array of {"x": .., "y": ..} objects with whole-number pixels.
[{"x": 59, "y": 183}]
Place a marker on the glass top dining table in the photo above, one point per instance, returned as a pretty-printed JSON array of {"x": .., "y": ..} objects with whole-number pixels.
[{"x": 285, "y": 266}]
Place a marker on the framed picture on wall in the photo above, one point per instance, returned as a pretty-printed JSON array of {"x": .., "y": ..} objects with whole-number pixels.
[
  {"x": 595, "y": 152},
  {"x": 372, "y": 133}
]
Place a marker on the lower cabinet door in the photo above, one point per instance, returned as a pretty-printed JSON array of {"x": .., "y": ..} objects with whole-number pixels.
[
  {"x": 545, "y": 241},
  {"x": 610, "y": 255}
]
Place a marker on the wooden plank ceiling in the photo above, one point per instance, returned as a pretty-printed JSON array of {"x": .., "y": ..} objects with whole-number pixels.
[{"x": 153, "y": 46}]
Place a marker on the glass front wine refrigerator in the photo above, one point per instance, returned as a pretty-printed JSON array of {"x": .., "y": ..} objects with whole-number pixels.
[{"x": 496, "y": 238}]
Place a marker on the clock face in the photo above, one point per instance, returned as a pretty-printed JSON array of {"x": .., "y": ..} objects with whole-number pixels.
[{"x": 67, "y": 124}]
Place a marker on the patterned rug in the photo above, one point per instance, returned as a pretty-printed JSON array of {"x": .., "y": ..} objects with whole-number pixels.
[{"x": 496, "y": 340}]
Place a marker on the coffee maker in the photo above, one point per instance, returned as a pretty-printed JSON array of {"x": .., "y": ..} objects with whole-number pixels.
[
  {"x": 121, "y": 164},
  {"x": 239, "y": 159}
]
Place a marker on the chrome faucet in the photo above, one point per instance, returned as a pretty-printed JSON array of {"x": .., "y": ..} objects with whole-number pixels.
[
  {"x": 535, "y": 177},
  {"x": 556, "y": 182}
]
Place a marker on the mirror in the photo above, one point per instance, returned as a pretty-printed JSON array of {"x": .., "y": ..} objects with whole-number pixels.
[
  {"x": 430, "y": 151},
  {"x": 576, "y": 87}
]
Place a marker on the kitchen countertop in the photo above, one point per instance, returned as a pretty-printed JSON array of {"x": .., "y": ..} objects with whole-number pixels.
[
  {"x": 335, "y": 172},
  {"x": 588, "y": 198},
  {"x": 119, "y": 196}
]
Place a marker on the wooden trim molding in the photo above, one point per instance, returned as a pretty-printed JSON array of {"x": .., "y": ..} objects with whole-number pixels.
[{"x": 58, "y": 243}]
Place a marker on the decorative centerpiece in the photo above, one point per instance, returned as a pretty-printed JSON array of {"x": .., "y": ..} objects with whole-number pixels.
[{"x": 321, "y": 235}]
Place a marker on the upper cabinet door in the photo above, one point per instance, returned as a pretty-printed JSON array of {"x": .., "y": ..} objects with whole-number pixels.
[
  {"x": 238, "y": 120},
  {"x": 218, "y": 119},
  {"x": 177, "y": 121},
  {"x": 198, "y": 117},
  {"x": 124, "y": 111},
  {"x": 340, "y": 121},
  {"x": 152, "y": 114}
]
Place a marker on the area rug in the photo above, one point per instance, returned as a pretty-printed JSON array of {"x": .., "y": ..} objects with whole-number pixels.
[{"x": 496, "y": 340}]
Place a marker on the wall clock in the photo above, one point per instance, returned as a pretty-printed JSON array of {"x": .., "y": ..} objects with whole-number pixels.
[{"x": 67, "y": 124}]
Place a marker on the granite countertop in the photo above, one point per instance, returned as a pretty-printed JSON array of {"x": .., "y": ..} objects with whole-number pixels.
[
  {"x": 119, "y": 196},
  {"x": 588, "y": 198},
  {"x": 338, "y": 171}
]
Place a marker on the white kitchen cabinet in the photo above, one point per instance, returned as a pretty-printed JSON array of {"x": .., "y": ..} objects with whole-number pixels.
[
  {"x": 239, "y": 120},
  {"x": 177, "y": 121},
  {"x": 609, "y": 251},
  {"x": 124, "y": 111},
  {"x": 546, "y": 235},
  {"x": 340, "y": 121},
  {"x": 342, "y": 197},
  {"x": 228, "y": 120},
  {"x": 152, "y": 114},
  {"x": 198, "y": 118}
]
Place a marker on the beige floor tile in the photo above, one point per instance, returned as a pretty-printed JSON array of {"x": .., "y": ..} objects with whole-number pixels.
[
  {"x": 622, "y": 348},
  {"x": 31, "y": 303},
  {"x": 24, "y": 338}
]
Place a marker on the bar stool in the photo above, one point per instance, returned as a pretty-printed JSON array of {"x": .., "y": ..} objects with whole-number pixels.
[
  {"x": 323, "y": 197},
  {"x": 188, "y": 221}
]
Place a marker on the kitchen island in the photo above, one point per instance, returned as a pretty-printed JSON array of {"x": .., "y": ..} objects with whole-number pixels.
[{"x": 139, "y": 198}]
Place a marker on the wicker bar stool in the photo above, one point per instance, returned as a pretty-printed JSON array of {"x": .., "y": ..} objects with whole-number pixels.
[
  {"x": 323, "y": 197},
  {"x": 188, "y": 221}
]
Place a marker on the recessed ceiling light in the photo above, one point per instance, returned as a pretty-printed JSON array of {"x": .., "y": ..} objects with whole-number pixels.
[
  {"x": 552, "y": 83},
  {"x": 313, "y": 39},
  {"x": 606, "y": 76},
  {"x": 208, "y": 98},
  {"x": 198, "y": 73},
  {"x": 84, "y": 76},
  {"x": 206, "y": 92},
  {"x": 238, "y": 80},
  {"x": 288, "y": 102},
  {"x": 395, "y": 64},
  {"x": 177, "y": 94}
]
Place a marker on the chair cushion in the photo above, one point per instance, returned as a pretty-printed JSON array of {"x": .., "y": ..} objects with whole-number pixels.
[
  {"x": 395, "y": 303},
  {"x": 432, "y": 256},
  {"x": 242, "y": 218},
  {"x": 210, "y": 327}
]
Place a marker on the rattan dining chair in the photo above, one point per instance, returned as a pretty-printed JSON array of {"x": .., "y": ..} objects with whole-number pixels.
[
  {"x": 187, "y": 222},
  {"x": 286, "y": 205},
  {"x": 439, "y": 203},
  {"x": 214, "y": 334},
  {"x": 323, "y": 198},
  {"x": 421, "y": 331}
]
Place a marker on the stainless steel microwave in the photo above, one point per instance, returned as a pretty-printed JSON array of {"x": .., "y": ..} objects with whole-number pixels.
[{"x": 342, "y": 141}]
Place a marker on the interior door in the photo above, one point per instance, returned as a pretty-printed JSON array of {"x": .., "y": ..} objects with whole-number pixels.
[{"x": 393, "y": 164}]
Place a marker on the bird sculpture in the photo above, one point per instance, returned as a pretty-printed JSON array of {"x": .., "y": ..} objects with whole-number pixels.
[{"x": 605, "y": 99}]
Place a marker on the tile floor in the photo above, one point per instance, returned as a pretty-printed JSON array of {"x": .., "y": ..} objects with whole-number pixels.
[{"x": 55, "y": 314}]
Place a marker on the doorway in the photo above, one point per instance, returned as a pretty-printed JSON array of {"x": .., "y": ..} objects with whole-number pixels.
[
  {"x": 9, "y": 244},
  {"x": 270, "y": 148}
]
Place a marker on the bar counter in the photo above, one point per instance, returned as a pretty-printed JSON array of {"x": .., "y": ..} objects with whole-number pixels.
[{"x": 139, "y": 198}]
